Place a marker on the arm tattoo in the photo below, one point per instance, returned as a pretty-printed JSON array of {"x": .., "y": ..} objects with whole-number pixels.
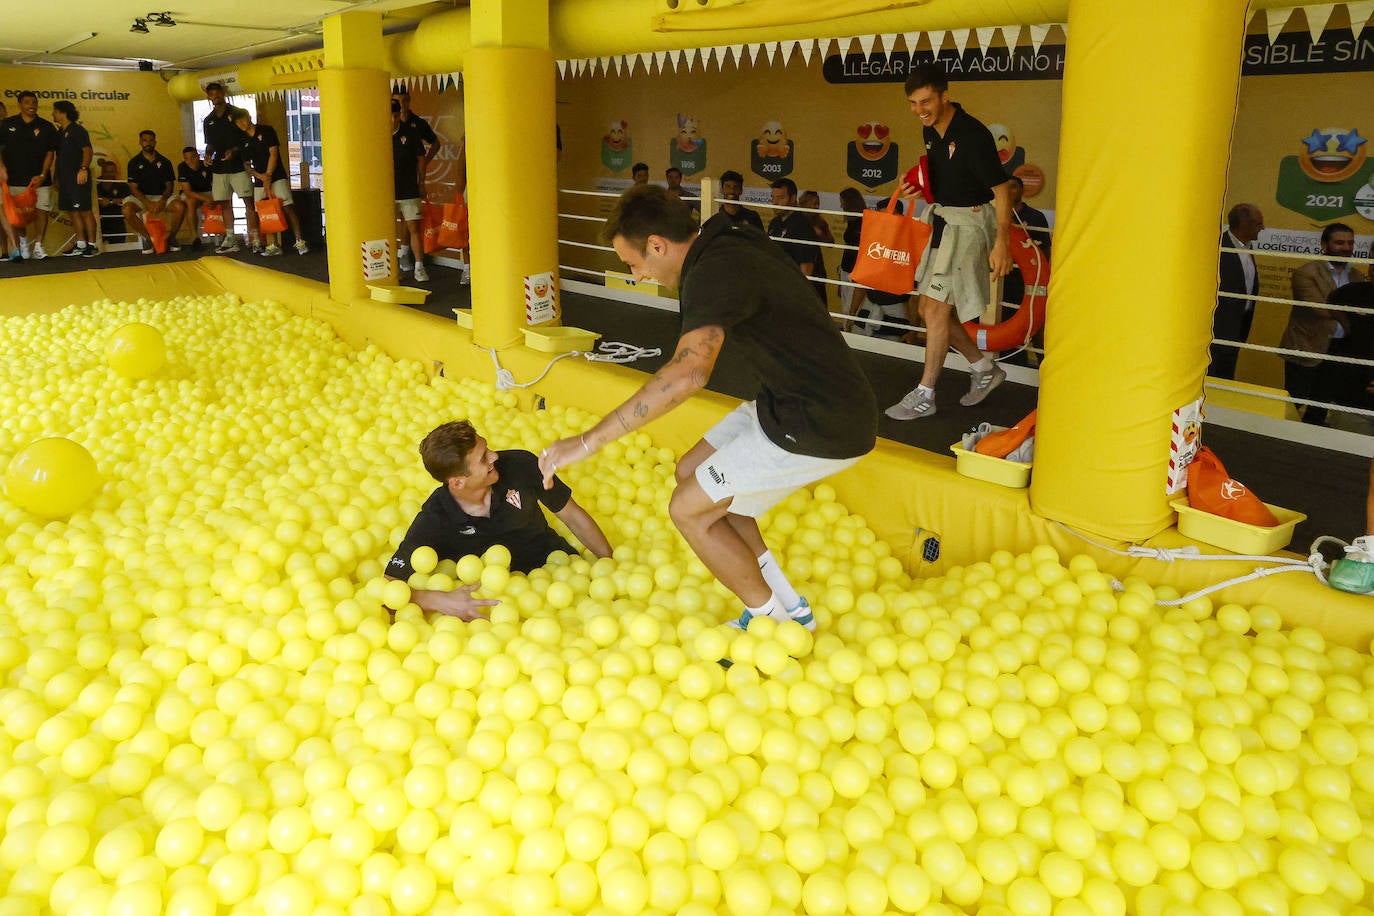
[{"x": 641, "y": 409}]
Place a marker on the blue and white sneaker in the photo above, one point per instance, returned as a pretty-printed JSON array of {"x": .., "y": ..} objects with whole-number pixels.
[{"x": 801, "y": 614}]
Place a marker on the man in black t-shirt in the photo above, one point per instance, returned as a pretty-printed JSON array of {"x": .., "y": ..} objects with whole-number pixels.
[
  {"x": 263, "y": 161},
  {"x": 731, "y": 187},
  {"x": 969, "y": 246},
  {"x": 224, "y": 145},
  {"x": 408, "y": 190},
  {"x": 152, "y": 192},
  {"x": 487, "y": 498},
  {"x": 814, "y": 414},
  {"x": 28, "y": 149},
  {"x": 788, "y": 225},
  {"x": 197, "y": 188},
  {"x": 72, "y": 175}
]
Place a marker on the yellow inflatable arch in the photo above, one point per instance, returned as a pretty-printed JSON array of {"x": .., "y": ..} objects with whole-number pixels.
[{"x": 1125, "y": 345}]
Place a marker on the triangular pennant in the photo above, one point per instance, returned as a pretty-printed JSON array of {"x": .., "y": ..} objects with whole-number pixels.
[
  {"x": 562, "y": 69},
  {"x": 1038, "y": 33},
  {"x": 823, "y": 46},
  {"x": 786, "y": 48},
  {"x": 985, "y": 38},
  {"x": 1317, "y": 17},
  {"x": 675, "y": 58},
  {"x": 645, "y": 59},
  {"x": 691, "y": 55},
  {"x": 807, "y": 46},
  {"x": 936, "y": 37},
  {"x": 889, "y": 41},
  {"x": 659, "y": 57},
  {"x": 1360, "y": 13},
  {"x": 771, "y": 49},
  {"x": 1011, "y": 36},
  {"x": 844, "y": 47},
  {"x": 1276, "y": 20},
  {"x": 910, "y": 39},
  {"x": 866, "y": 42},
  {"x": 754, "y": 54},
  {"x": 736, "y": 54},
  {"x": 617, "y": 61},
  {"x": 960, "y": 37}
]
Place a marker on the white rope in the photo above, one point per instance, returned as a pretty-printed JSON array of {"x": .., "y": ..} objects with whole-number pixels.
[
  {"x": 1308, "y": 354},
  {"x": 1339, "y": 408},
  {"x": 1314, "y": 563},
  {"x": 589, "y": 193},
  {"x": 610, "y": 352},
  {"x": 589, "y": 219},
  {"x": 1302, "y": 303},
  {"x": 585, "y": 245}
]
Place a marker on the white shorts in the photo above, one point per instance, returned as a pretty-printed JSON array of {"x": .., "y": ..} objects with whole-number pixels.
[
  {"x": 43, "y": 196},
  {"x": 280, "y": 188},
  {"x": 138, "y": 204},
  {"x": 410, "y": 208},
  {"x": 747, "y": 465},
  {"x": 227, "y": 185}
]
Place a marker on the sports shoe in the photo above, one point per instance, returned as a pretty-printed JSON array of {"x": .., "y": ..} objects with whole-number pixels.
[
  {"x": 801, "y": 614},
  {"x": 229, "y": 245},
  {"x": 146, "y": 247},
  {"x": 301, "y": 247},
  {"x": 16, "y": 255},
  {"x": 404, "y": 259},
  {"x": 980, "y": 384},
  {"x": 195, "y": 246},
  {"x": 23, "y": 248},
  {"x": 76, "y": 251},
  {"x": 38, "y": 252},
  {"x": 173, "y": 246},
  {"x": 271, "y": 251},
  {"x": 257, "y": 247},
  {"x": 917, "y": 405},
  {"x": 90, "y": 251},
  {"x": 742, "y": 621},
  {"x": 421, "y": 275}
]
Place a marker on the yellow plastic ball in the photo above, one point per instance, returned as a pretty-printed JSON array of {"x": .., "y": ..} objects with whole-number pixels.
[
  {"x": 52, "y": 478},
  {"x": 136, "y": 351}
]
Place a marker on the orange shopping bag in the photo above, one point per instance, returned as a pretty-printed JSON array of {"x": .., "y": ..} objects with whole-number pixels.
[
  {"x": 453, "y": 231},
  {"x": 20, "y": 209},
  {"x": 157, "y": 231},
  {"x": 1211, "y": 489},
  {"x": 431, "y": 221},
  {"x": 1003, "y": 442},
  {"x": 890, "y": 247},
  {"x": 271, "y": 215},
  {"x": 213, "y": 223}
]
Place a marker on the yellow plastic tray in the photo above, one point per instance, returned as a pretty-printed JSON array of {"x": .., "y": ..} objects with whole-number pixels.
[
  {"x": 1014, "y": 474},
  {"x": 403, "y": 295},
  {"x": 1234, "y": 536},
  {"x": 559, "y": 339},
  {"x": 464, "y": 317}
]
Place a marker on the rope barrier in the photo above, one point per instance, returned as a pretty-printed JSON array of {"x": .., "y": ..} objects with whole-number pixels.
[
  {"x": 1301, "y": 303},
  {"x": 1289, "y": 399},
  {"x": 610, "y": 351},
  {"x": 1308, "y": 354}
]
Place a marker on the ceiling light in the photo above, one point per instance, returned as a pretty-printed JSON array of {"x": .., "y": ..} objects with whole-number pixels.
[{"x": 139, "y": 25}]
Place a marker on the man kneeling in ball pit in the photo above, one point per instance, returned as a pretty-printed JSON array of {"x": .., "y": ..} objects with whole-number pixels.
[
  {"x": 814, "y": 415},
  {"x": 487, "y": 498}
]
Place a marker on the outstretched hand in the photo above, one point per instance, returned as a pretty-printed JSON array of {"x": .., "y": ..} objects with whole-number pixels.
[{"x": 559, "y": 455}]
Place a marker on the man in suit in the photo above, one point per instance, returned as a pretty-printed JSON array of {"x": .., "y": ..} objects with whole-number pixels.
[
  {"x": 1312, "y": 328},
  {"x": 1237, "y": 275}
]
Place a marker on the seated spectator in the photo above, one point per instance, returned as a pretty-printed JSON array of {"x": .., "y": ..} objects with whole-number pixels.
[
  {"x": 731, "y": 187},
  {"x": 821, "y": 228},
  {"x": 487, "y": 498},
  {"x": 110, "y": 192},
  {"x": 197, "y": 189},
  {"x": 673, "y": 177},
  {"x": 792, "y": 229},
  {"x": 640, "y": 172}
]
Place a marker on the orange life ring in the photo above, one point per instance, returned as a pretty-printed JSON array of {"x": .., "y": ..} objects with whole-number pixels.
[{"x": 1030, "y": 317}]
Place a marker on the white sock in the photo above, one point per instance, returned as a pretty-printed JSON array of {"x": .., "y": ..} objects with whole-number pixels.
[
  {"x": 403, "y": 250},
  {"x": 777, "y": 580},
  {"x": 927, "y": 389},
  {"x": 983, "y": 365},
  {"x": 771, "y": 608}
]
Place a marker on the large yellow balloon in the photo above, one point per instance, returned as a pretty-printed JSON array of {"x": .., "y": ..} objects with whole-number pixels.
[
  {"x": 136, "y": 350},
  {"x": 52, "y": 477}
]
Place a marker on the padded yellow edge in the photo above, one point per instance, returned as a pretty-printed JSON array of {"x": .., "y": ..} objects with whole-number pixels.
[{"x": 904, "y": 493}]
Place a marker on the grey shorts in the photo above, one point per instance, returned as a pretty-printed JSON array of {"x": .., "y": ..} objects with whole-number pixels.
[
  {"x": 410, "y": 208},
  {"x": 280, "y": 188},
  {"x": 747, "y": 466},
  {"x": 43, "y": 195},
  {"x": 227, "y": 185}
]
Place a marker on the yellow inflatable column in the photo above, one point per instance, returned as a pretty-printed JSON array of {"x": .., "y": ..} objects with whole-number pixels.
[
  {"x": 1142, "y": 172},
  {"x": 355, "y": 128},
  {"x": 508, "y": 84}
]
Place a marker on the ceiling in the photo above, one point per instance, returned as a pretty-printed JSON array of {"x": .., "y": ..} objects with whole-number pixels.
[{"x": 96, "y": 33}]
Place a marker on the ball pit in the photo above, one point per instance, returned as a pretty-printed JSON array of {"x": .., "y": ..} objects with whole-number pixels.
[{"x": 205, "y": 708}]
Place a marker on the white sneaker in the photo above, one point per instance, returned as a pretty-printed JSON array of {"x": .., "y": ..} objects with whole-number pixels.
[
  {"x": 917, "y": 405},
  {"x": 229, "y": 245},
  {"x": 404, "y": 259},
  {"x": 38, "y": 252},
  {"x": 421, "y": 275},
  {"x": 301, "y": 247},
  {"x": 980, "y": 384},
  {"x": 271, "y": 251},
  {"x": 24, "y": 248}
]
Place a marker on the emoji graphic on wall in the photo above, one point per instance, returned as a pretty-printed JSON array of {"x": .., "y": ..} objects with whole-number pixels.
[
  {"x": 687, "y": 148},
  {"x": 1330, "y": 177},
  {"x": 1011, "y": 155},
  {"x": 617, "y": 149},
  {"x": 770, "y": 155},
  {"x": 871, "y": 158}
]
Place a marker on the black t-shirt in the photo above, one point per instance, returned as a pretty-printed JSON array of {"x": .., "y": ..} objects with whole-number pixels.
[
  {"x": 515, "y": 521},
  {"x": 223, "y": 137},
  {"x": 791, "y": 224},
  {"x": 25, "y": 145},
  {"x": 72, "y": 141},
  {"x": 964, "y": 167},
  {"x": 257, "y": 152},
  {"x": 152, "y": 178},
  {"x": 744, "y": 215},
  {"x": 407, "y": 149},
  {"x": 420, "y": 127},
  {"x": 200, "y": 180},
  {"x": 114, "y": 191},
  {"x": 813, "y": 398},
  {"x": 1014, "y": 285}
]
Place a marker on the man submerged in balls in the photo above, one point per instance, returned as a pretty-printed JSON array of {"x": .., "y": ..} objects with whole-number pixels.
[
  {"x": 487, "y": 498},
  {"x": 814, "y": 414}
]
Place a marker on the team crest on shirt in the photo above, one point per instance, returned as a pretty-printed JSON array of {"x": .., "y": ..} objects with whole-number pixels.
[
  {"x": 952, "y": 145},
  {"x": 513, "y": 497}
]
